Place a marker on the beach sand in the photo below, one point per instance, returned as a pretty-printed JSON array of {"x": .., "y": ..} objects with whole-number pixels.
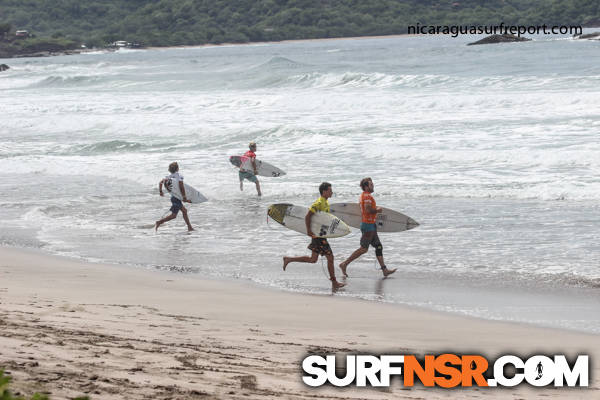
[{"x": 70, "y": 328}]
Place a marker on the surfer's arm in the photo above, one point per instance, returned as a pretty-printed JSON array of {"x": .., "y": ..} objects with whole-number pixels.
[
  {"x": 254, "y": 166},
  {"x": 372, "y": 210},
  {"x": 182, "y": 190},
  {"x": 160, "y": 185},
  {"x": 307, "y": 220}
]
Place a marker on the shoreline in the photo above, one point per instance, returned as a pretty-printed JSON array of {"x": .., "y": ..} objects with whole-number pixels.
[
  {"x": 411, "y": 283},
  {"x": 449, "y": 289},
  {"x": 73, "y": 328},
  {"x": 283, "y": 41},
  {"x": 109, "y": 50}
]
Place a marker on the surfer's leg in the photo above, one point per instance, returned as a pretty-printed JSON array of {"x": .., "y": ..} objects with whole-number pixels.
[
  {"x": 330, "y": 267},
  {"x": 357, "y": 253},
  {"x": 375, "y": 242},
  {"x": 303, "y": 259},
  {"x": 386, "y": 271},
  {"x": 165, "y": 219},
  {"x": 186, "y": 218},
  {"x": 252, "y": 178},
  {"x": 258, "y": 188},
  {"x": 325, "y": 250},
  {"x": 365, "y": 240}
]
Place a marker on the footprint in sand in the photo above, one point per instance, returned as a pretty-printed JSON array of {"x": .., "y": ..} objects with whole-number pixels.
[{"x": 247, "y": 381}]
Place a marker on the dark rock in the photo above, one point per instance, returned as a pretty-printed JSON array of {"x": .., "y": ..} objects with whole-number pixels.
[
  {"x": 3, "y": 67},
  {"x": 589, "y": 36},
  {"x": 506, "y": 38}
]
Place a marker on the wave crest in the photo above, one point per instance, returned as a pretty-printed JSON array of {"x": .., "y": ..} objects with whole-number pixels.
[{"x": 68, "y": 81}]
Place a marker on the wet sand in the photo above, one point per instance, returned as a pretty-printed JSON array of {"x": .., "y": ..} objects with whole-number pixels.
[{"x": 70, "y": 328}]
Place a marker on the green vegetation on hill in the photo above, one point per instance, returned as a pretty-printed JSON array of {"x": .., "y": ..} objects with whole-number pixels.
[
  {"x": 181, "y": 22},
  {"x": 12, "y": 45}
]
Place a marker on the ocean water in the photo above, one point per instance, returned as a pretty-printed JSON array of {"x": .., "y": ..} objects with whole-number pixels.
[{"x": 493, "y": 149}]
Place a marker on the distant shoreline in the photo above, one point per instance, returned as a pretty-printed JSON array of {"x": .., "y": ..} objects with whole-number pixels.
[
  {"x": 49, "y": 53},
  {"x": 281, "y": 41},
  {"x": 189, "y": 46}
]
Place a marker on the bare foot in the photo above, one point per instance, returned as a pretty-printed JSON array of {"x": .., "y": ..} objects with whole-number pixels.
[
  {"x": 388, "y": 272},
  {"x": 343, "y": 267},
  {"x": 156, "y": 225},
  {"x": 335, "y": 285},
  {"x": 191, "y": 229},
  {"x": 286, "y": 261}
]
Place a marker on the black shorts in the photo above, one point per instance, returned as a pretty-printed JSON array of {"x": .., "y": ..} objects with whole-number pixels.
[
  {"x": 320, "y": 246},
  {"x": 370, "y": 238},
  {"x": 176, "y": 205}
]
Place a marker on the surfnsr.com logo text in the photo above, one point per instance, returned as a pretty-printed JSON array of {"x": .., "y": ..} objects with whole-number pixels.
[{"x": 446, "y": 370}]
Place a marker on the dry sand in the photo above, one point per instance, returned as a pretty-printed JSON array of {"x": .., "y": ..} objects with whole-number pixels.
[{"x": 70, "y": 328}]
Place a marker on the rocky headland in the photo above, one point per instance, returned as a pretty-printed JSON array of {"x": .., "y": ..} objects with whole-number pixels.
[{"x": 506, "y": 38}]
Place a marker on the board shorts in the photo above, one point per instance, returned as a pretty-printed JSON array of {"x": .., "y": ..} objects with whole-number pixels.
[
  {"x": 247, "y": 175},
  {"x": 365, "y": 227},
  {"x": 369, "y": 236},
  {"x": 176, "y": 205},
  {"x": 320, "y": 246}
]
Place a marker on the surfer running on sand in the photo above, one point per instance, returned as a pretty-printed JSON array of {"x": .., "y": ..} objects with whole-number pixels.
[
  {"x": 368, "y": 227},
  {"x": 318, "y": 246},
  {"x": 247, "y": 174},
  {"x": 174, "y": 179}
]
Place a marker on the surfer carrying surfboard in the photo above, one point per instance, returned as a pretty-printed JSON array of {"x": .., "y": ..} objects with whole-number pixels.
[
  {"x": 368, "y": 227},
  {"x": 318, "y": 246},
  {"x": 174, "y": 179},
  {"x": 244, "y": 173}
]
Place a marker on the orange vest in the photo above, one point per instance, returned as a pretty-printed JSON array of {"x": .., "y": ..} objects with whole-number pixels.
[{"x": 367, "y": 217}]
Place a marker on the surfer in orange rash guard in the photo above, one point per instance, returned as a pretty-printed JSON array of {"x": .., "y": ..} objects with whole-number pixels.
[
  {"x": 368, "y": 227},
  {"x": 318, "y": 246},
  {"x": 250, "y": 175},
  {"x": 174, "y": 179}
]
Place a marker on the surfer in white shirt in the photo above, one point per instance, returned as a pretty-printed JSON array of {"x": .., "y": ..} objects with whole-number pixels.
[{"x": 174, "y": 179}]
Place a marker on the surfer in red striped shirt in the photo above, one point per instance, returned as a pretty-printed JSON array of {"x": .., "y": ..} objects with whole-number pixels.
[
  {"x": 368, "y": 227},
  {"x": 247, "y": 174}
]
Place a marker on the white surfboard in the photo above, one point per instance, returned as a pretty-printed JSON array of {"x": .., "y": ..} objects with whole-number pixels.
[
  {"x": 387, "y": 221},
  {"x": 262, "y": 167},
  {"x": 322, "y": 224},
  {"x": 190, "y": 193}
]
